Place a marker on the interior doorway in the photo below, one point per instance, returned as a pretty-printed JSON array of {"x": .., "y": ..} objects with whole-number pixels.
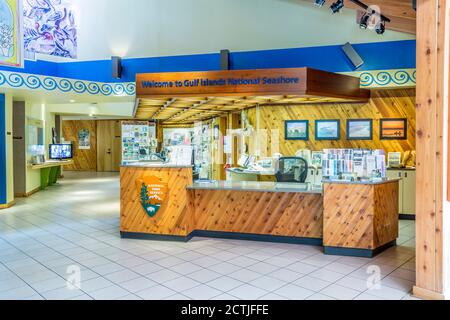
[{"x": 109, "y": 145}]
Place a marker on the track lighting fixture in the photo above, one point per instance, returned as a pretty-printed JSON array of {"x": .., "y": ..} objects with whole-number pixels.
[
  {"x": 381, "y": 27},
  {"x": 364, "y": 21},
  {"x": 319, "y": 3},
  {"x": 337, "y": 6}
]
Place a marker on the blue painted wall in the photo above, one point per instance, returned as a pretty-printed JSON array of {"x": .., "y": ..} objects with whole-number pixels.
[
  {"x": 3, "y": 187},
  {"x": 377, "y": 56}
]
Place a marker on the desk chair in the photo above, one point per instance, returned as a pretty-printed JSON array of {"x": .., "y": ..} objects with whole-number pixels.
[{"x": 292, "y": 169}]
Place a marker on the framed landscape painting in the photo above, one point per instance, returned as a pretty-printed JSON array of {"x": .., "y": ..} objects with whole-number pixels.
[
  {"x": 393, "y": 129},
  {"x": 297, "y": 130},
  {"x": 328, "y": 129},
  {"x": 360, "y": 129}
]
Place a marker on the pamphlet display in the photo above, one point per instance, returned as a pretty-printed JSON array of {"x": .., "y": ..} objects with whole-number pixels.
[
  {"x": 202, "y": 141},
  {"x": 136, "y": 141},
  {"x": 352, "y": 164}
]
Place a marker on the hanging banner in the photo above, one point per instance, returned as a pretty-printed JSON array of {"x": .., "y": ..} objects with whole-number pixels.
[{"x": 11, "y": 39}]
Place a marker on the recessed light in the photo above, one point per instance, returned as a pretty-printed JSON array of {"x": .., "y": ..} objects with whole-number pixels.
[{"x": 72, "y": 101}]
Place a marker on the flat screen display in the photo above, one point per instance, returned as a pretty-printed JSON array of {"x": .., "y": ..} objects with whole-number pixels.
[{"x": 61, "y": 151}]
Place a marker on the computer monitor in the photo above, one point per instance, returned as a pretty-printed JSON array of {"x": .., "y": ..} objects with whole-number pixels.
[{"x": 61, "y": 151}]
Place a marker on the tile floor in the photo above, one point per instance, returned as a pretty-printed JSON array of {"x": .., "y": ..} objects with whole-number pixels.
[{"x": 64, "y": 244}]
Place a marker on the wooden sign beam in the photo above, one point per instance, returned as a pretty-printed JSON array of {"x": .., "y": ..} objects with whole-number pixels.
[{"x": 297, "y": 81}]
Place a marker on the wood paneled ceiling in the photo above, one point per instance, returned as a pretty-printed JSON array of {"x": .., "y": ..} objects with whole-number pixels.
[
  {"x": 401, "y": 13},
  {"x": 188, "y": 110}
]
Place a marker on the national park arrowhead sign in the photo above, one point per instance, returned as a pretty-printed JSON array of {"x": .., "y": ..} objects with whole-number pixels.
[{"x": 152, "y": 192}]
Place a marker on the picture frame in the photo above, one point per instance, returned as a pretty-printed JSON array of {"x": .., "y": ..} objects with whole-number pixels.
[
  {"x": 328, "y": 130},
  {"x": 296, "y": 130},
  {"x": 360, "y": 129},
  {"x": 394, "y": 129}
]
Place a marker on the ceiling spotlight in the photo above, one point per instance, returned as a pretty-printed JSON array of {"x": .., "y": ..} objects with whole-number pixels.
[
  {"x": 337, "y": 6},
  {"x": 364, "y": 21},
  {"x": 319, "y": 3},
  {"x": 381, "y": 27}
]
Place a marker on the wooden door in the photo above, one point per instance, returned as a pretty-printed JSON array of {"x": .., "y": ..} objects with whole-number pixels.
[{"x": 109, "y": 146}]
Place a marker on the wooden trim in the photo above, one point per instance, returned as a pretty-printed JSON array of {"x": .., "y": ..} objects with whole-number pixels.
[
  {"x": 8, "y": 205},
  {"x": 427, "y": 294},
  {"x": 28, "y": 194}
]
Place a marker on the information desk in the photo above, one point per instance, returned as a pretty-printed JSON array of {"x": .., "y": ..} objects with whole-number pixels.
[
  {"x": 50, "y": 171},
  {"x": 162, "y": 203}
]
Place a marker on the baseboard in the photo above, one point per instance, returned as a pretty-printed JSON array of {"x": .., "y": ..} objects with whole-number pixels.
[
  {"x": 28, "y": 194},
  {"x": 154, "y": 237},
  {"x": 354, "y": 252},
  {"x": 8, "y": 205},
  {"x": 426, "y": 294},
  {"x": 411, "y": 217},
  {"x": 257, "y": 237}
]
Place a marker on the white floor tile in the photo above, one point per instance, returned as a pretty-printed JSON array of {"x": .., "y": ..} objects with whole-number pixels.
[
  {"x": 122, "y": 276},
  {"x": 285, "y": 275},
  {"x": 339, "y": 292},
  {"x": 109, "y": 293},
  {"x": 204, "y": 275},
  {"x": 181, "y": 284},
  {"x": 311, "y": 283},
  {"x": 293, "y": 292},
  {"x": 244, "y": 275},
  {"x": 202, "y": 292},
  {"x": 225, "y": 283},
  {"x": 247, "y": 292},
  {"x": 268, "y": 283},
  {"x": 138, "y": 284}
]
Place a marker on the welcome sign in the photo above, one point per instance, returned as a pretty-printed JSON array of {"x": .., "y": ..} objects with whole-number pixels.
[
  {"x": 152, "y": 193},
  {"x": 246, "y": 82}
]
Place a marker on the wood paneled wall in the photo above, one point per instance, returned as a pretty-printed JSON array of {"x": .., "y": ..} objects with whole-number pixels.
[
  {"x": 84, "y": 160},
  {"x": 398, "y": 103}
]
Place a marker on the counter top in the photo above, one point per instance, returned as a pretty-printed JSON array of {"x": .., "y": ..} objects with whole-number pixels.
[
  {"x": 153, "y": 165},
  {"x": 368, "y": 183},
  {"x": 50, "y": 164},
  {"x": 402, "y": 169},
  {"x": 254, "y": 186},
  {"x": 249, "y": 171}
]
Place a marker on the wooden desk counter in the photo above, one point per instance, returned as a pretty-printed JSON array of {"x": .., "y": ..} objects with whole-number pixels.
[{"x": 360, "y": 218}]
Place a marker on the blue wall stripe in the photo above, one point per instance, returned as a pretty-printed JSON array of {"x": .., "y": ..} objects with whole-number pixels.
[
  {"x": 377, "y": 56},
  {"x": 3, "y": 186}
]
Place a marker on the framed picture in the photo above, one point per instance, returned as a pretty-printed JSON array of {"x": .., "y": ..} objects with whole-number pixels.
[
  {"x": 328, "y": 129},
  {"x": 360, "y": 129},
  {"x": 393, "y": 129},
  {"x": 297, "y": 130}
]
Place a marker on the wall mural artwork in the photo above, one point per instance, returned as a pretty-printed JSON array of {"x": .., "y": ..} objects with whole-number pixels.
[
  {"x": 50, "y": 28},
  {"x": 10, "y": 33}
]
